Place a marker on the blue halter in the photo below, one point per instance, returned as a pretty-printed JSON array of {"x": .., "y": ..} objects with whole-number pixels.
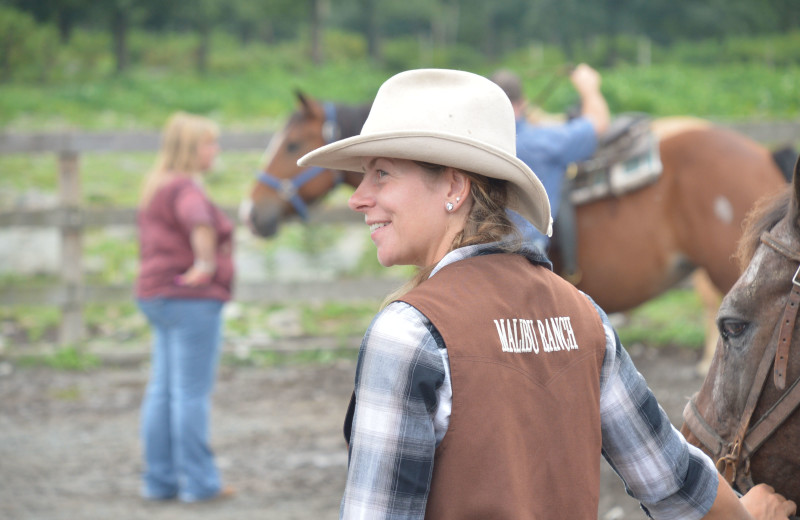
[{"x": 288, "y": 189}]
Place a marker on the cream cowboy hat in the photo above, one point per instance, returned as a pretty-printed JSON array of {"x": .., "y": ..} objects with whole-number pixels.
[{"x": 447, "y": 117}]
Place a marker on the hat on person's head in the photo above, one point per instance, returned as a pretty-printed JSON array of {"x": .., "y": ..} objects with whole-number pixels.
[{"x": 446, "y": 117}]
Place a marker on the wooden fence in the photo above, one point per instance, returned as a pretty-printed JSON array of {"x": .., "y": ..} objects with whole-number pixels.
[
  {"x": 71, "y": 294},
  {"x": 72, "y": 219}
]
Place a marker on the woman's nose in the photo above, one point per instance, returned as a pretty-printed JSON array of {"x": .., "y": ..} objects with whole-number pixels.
[{"x": 360, "y": 200}]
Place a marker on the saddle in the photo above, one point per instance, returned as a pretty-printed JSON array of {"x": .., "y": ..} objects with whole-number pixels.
[{"x": 627, "y": 159}]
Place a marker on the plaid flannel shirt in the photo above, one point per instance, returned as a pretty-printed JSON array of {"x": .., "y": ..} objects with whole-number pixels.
[{"x": 403, "y": 399}]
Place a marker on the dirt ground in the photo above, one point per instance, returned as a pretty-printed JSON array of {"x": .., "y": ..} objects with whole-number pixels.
[{"x": 69, "y": 447}]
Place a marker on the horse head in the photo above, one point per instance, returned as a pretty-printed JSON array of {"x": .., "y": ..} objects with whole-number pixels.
[
  {"x": 282, "y": 188},
  {"x": 744, "y": 415}
]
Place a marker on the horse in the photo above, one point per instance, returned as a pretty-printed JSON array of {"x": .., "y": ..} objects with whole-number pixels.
[
  {"x": 630, "y": 248},
  {"x": 744, "y": 415}
]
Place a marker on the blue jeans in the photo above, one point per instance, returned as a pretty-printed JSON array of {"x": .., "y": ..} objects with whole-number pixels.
[{"x": 177, "y": 403}]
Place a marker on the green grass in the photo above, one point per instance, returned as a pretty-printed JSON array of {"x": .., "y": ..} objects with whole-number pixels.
[
  {"x": 65, "y": 358},
  {"x": 260, "y": 100},
  {"x": 252, "y": 90},
  {"x": 673, "y": 319}
]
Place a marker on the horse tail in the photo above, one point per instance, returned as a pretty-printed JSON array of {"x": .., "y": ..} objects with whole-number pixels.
[{"x": 784, "y": 158}]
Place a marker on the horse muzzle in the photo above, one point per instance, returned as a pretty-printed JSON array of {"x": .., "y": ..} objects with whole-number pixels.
[{"x": 262, "y": 219}]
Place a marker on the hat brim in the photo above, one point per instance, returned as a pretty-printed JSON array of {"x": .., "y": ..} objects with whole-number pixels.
[{"x": 528, "y": 196}]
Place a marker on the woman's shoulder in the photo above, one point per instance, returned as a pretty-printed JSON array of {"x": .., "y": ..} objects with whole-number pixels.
[
  {"x": 399, "y": 321},
  {"x": 175, "y": 186}
]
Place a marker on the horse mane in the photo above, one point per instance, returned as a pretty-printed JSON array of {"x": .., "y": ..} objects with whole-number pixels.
[{"x": 765, "y": 214}]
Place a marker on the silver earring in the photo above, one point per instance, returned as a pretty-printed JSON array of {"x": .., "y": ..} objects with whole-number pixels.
[{"x": 449, "y": 206}]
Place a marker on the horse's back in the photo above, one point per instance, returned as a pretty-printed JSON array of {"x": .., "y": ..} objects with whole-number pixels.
[
  {"x": 718, "y": 176},
  {"x": 633, "y": 247}
]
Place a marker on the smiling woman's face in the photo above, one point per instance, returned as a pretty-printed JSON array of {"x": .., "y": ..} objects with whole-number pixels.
[{"x": 404, "y": 206}]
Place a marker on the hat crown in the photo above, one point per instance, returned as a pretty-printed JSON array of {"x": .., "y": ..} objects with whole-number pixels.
[
  {"x": 447, "y": 117},
  {"x": 460, "y": 104}
]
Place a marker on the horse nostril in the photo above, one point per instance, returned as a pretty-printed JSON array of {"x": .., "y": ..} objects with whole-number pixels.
[{"x": 264, "y": 219}]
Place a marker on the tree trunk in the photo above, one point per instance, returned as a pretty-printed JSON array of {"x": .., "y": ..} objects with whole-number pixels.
[
  {"x": 490, "y": 35},
  {"x": 316, "y": 32},
  {"x": 65, "y": 21},
  {"x": 119, "y": 30},
  {"x": 203, "y": 48},
  {"x": 373, "y": 29}
]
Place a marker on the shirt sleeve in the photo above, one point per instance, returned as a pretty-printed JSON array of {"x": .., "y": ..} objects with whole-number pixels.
[
  {"x": 393, "y": 441},
  {"x": 193, "y": 208},
  {"x": 670, "y": 477},
  {"x": 556, "y": 145},
  {"x": 549, "y": 149}
]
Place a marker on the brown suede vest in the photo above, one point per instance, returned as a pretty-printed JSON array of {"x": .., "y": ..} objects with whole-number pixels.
[{"x": 525, "y": 352}]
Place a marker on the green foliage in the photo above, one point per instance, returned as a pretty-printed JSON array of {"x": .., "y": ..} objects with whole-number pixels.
[
  {"x": 175, "y": 52},
  {"x": 337, "y": 319},
  {"x": 27, "y": 50},
  {"x": 250, "y": 86},
  {"x": 86, "y": 57},
  {"x": 725, "y": 92},
  {"x": 66, "y": 358},
  {"x": 675, "y": 319},
  {"x": 111, "y": 257},
  {"x": 341, "y": 46},
  {"x": 404, "y": 53},
  {"x": 32, "y": 322},
  {"x": 779, "y": 50},
  {"x": 118, "y": 323}
]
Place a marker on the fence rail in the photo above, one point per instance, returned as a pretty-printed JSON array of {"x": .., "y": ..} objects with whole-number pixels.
[{"x": 72, "y": 218}]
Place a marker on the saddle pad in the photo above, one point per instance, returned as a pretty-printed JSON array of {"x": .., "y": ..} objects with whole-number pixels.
[{"x": 630, "y": 162}]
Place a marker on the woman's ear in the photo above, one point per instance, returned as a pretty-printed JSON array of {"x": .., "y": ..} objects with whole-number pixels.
[{"x": 459, "y": 185}]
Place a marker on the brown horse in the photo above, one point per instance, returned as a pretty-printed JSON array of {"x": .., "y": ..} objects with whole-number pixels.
[
  {"x": 631, "y": 248},
  {"x": 744, "y": 415}
]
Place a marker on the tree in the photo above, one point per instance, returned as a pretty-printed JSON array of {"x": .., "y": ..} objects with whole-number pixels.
[
  {"x": 316, "y": 28},
  {"x": 120, "y": 16}
]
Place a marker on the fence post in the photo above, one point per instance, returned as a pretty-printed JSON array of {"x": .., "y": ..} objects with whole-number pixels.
[{"x": 72, "y": 323}]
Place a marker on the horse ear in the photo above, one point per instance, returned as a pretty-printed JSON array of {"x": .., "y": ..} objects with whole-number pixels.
[
  {"x": 308, "y": 104},
  {"x": 302, "y": 98}
]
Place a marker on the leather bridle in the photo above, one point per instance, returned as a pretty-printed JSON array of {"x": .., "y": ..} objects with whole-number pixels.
[
  {"x": 733, "y": 457},
  {"x": 288, "y": 190}
]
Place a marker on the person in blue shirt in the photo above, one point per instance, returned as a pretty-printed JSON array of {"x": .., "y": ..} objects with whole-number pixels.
[{"x": 548, "y": 149}]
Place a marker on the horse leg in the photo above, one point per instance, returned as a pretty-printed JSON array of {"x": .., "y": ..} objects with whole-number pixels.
[{"x": 711, "y": 299}]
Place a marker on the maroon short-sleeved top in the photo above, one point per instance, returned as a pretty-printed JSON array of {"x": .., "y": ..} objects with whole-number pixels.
[{"x": 165, "y": 249}]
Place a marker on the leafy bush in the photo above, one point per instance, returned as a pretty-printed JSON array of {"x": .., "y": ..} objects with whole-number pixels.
[
  {"x": 27, "y": 51},
  {"x": 86, "y": 56},
  {"x": 170, "y": 52},
  {"x": 780, "y": 50},
  {"x": 341, "y": 46},
  {"x": 404, "y": 53}
]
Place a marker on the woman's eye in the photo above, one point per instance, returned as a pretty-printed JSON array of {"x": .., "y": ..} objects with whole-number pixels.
[
  {"x": 382, "y": 173},
  {"x": 730, "y": 328}
]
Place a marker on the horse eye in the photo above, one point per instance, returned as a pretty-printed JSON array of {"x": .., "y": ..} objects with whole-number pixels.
[
  {"x": 730, "y": 328},
  {"x": 292, "y": 147}
]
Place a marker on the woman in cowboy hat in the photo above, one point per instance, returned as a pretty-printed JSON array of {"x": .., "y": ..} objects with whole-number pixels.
[{"x": 488, "y": 387}]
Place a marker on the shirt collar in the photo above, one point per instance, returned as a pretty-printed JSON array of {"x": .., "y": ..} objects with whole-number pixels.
[{"x": 533, "y": 254}]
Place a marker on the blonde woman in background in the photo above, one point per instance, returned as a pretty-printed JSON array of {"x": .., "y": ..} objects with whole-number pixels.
[{"x": 185, "y": 278}]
